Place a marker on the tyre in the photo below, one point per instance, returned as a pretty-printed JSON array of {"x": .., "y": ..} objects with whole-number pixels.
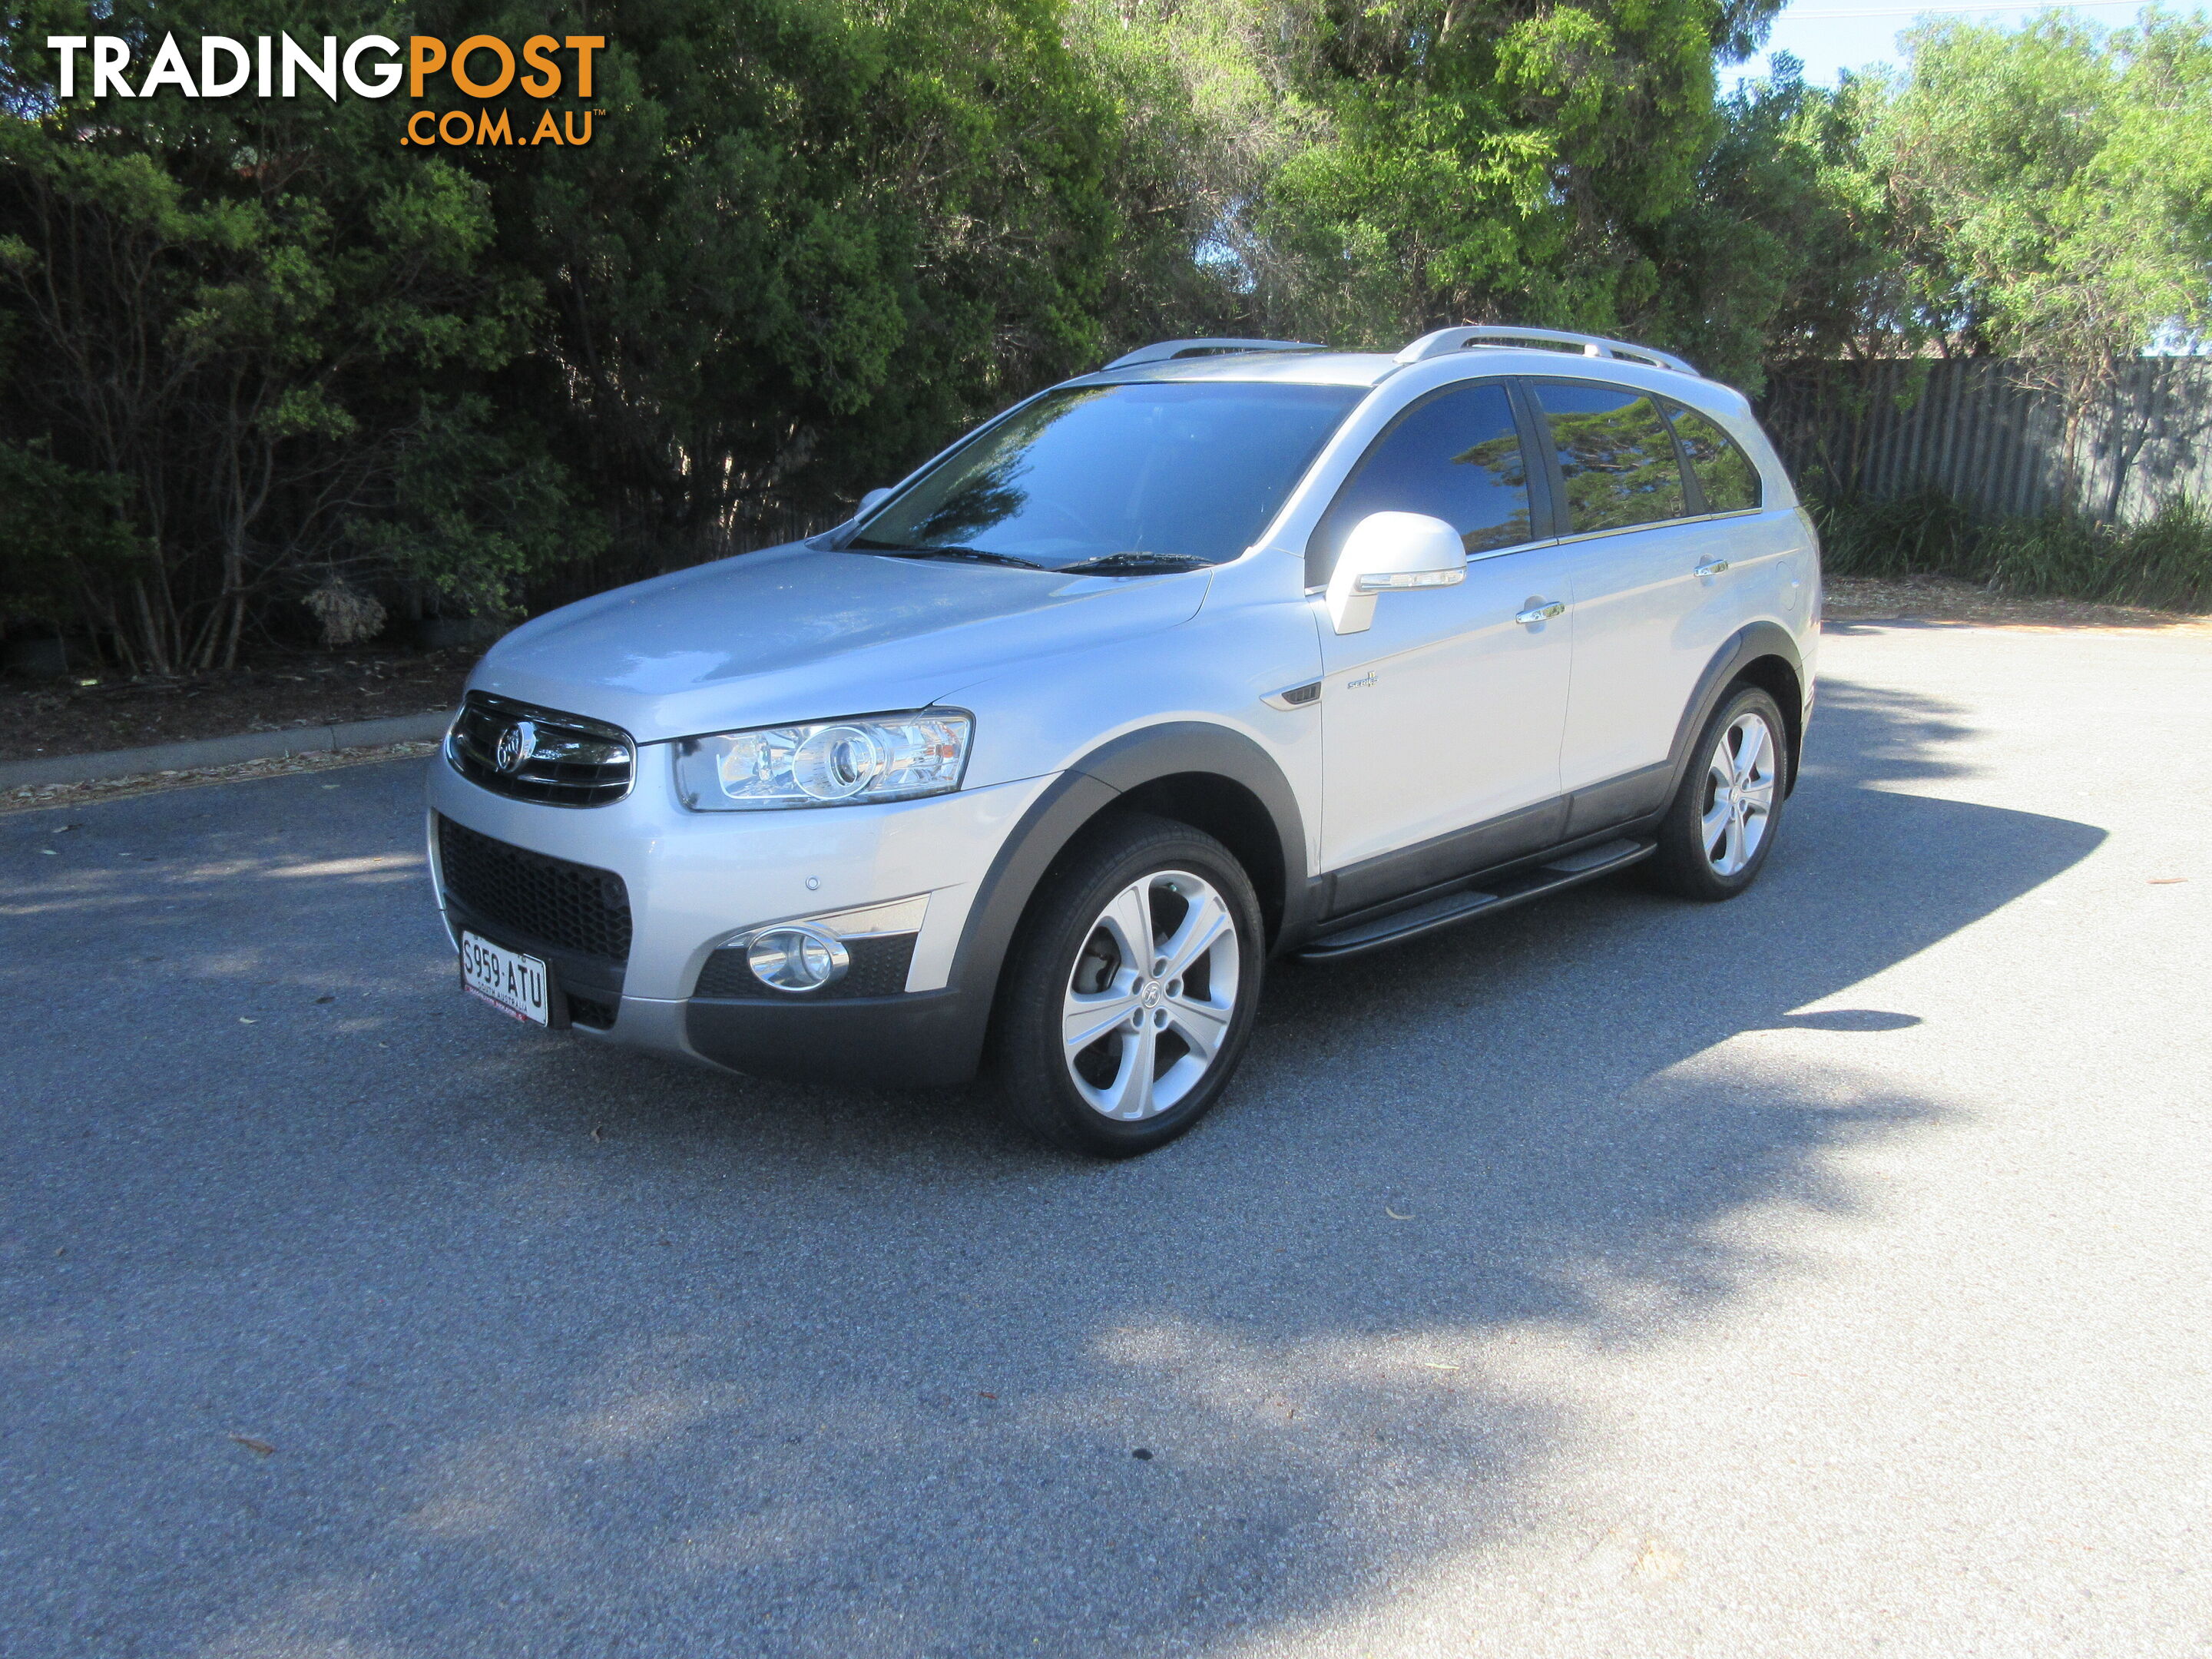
[
  {"x": 1719, "y": 828},
  {"x": 1128, "y": 996}
]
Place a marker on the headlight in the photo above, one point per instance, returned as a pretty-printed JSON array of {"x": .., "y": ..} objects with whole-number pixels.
[{"x": 828, "y": 763}]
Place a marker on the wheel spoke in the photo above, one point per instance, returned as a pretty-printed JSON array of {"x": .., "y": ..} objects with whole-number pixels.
[
  {"x": 1207, "y": 921},
  {"x": 1715, "y": 824},
  {"x": 1128, "y": 918},
  {"x": 1752, "y": 748},
  {"x": 1086, "y": 1018},
  {"x": 1130, "y": 1094},
  {"x": 1201, "y": 1025},
  {"x": 1732, "y": 859}
]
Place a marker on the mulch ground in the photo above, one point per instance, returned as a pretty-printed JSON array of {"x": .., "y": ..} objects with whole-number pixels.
[
  {"x": 92, "y": 711},
  {"x": 1944, "y": 600}
]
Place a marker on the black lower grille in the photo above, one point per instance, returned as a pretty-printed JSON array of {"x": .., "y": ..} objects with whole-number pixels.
[
  {"x": 584, "y": 1010},
  {"x": 878, "y": 969},
  {"x": 571, "y": 906}
]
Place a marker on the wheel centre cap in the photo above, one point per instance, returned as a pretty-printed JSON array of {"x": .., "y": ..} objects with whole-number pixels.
[{"x": 1152, "y": 997}]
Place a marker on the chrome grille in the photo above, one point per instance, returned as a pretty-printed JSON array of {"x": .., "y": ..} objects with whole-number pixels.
[{"x": 540, "y": 754}]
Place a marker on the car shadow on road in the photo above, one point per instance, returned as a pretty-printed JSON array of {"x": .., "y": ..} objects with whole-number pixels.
[{"x": 563, "y": 1351}]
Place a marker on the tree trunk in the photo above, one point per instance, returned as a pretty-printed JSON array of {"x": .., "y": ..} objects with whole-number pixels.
[
  {"x": 2069, "y": 471},
  {"x": 154, "y": 652},
  {"x": 230, "y": 641}
]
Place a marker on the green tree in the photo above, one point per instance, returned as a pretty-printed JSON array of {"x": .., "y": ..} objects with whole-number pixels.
[
  {"x": 807, "y": 242},
  {"x": 248, "y": 318},
  {"x": 1783, "y": 253},
  {"x": 63, "y": 535},
  {"x": 2051, "y": 190},
  {"x": 1497, "y": 160},
  {"x": 1209, "y": 109}
]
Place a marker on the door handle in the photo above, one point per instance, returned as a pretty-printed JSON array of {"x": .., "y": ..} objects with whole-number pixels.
[
  {"x": 1539, "y": 613},
  {"x": 1711, "y": 567}
]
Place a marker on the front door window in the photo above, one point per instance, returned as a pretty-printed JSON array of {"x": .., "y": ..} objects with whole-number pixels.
[{"x": 1457, "y": 456}]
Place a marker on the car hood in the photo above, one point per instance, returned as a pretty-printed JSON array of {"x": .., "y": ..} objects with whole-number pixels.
[{"x": 796, "y": 633}]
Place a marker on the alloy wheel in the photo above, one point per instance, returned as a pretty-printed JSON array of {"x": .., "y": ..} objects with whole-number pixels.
[
  {"x": 1739, "y": 793},
  {"x": 1151, "y": 995}
]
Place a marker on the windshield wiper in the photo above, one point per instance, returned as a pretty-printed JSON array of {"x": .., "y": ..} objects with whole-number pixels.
[
  {"x": 1133, "y": 564},
  {"x": 969, "y": 555}
]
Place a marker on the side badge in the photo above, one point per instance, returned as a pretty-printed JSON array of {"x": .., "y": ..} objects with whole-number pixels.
[{"x": 1366, "y": 680}]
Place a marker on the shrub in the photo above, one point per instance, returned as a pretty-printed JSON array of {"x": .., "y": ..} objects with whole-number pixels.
[
  {"x": 2165, "y": 562},
  {"x": 1924, "y": 531}
]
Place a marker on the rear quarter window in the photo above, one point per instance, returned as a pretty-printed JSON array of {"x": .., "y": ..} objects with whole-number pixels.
[{"x": 1723, "y": 471}]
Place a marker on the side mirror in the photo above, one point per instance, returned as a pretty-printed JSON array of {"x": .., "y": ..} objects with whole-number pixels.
[
  {"x": 1387, "y": 551},
  {"x": 871, "y": 501}
]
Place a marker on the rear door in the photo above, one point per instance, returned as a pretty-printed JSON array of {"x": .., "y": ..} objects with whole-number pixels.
[
  {"x": 1447, "y": 711},
  {"x": 1650, "y": 607}
]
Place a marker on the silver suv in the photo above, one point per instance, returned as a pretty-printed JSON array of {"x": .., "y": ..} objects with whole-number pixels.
[{"x": 1234, "y": 649}]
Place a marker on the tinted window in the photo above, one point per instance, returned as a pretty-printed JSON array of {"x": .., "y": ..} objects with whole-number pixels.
[
  {"x": 1457, "y": 457},
  {"x": 1615, "y": 451},
  {"x": 1189, "y": 470},
  {"x": 1724, "y": 473}
]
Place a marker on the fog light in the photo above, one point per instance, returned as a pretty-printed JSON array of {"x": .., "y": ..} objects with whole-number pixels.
[{"x": 797, "y": 959}]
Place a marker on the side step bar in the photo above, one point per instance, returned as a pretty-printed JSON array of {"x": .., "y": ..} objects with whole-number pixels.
[{"x": 1534, "y": 883}]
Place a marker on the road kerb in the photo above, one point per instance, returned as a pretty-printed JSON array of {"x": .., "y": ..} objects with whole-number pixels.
[{"x": 221, "y": 752}]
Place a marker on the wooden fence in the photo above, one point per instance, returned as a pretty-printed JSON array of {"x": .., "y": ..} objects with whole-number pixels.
[{"x": 1972, "y": 428}]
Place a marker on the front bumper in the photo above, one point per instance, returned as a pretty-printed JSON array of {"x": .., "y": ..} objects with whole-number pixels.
[{"x": 693, "y": 878}]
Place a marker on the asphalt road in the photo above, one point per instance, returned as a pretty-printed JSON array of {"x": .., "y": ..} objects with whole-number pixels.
[{"x": 1821, "y": 1274}]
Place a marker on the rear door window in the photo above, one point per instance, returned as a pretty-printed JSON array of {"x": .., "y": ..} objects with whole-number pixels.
[
  {"x": 1616, "y": 454},
  {"x": 1456, "y": 457},
  {"x": 1723, "y": 471}
]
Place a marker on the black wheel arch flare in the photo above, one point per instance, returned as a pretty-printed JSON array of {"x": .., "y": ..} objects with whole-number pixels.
[
  {"x": 1765, "y": 655},
  {"x": 1212, "y": 776}
]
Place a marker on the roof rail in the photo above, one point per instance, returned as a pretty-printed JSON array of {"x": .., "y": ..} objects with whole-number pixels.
[
  {"x": 1161, "y": 351},
  {"x": 1593, "y": 345}
]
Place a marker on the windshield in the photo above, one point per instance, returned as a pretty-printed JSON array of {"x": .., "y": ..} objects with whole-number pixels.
[{"x": 1133, "y": 478}]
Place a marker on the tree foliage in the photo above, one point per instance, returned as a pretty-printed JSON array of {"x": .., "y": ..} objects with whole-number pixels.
[
  {"x": 812, "y": 239},
  {"x": 1493, "y": 157},
  {"x": 808, "y": 240},
  {"x": 256, "y": 322},
  {"x": 1784, "y": 251},
  {"x": 2052, "y": 191},
  {"x": 254, "y": 352}
]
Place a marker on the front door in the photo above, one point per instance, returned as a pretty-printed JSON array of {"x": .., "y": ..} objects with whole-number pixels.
[
  {"x": 1660, "y": 581},
  {"x": 1447, "y": 711}
]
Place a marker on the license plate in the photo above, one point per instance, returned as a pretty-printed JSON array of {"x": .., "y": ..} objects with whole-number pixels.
[{"x": 512, "y": 982}]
